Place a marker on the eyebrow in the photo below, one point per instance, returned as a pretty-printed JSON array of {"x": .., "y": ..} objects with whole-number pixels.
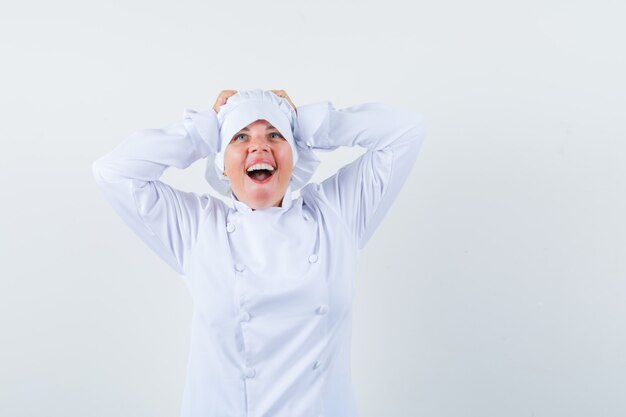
[{"x": 267, "y": 128}]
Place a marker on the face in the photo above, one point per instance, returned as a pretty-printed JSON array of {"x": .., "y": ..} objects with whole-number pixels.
[{"x": 258, "y": 162}]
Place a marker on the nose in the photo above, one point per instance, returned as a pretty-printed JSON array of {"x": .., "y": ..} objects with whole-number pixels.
[{"x": 258, "y": 144}]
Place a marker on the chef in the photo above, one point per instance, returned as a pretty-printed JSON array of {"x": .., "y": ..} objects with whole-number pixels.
[{"x": 271, "y": 276}]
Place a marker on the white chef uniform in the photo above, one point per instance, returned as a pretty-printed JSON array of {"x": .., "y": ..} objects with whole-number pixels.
[{"x": 272, "y": 288}]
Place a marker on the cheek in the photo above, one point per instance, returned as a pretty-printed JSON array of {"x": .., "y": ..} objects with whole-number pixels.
[
  {"x": 232, "y": 159},
  {"x": 286, "y": 159}
]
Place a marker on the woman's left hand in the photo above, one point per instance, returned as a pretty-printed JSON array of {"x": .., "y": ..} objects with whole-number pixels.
[{"x": 283, "y": 94}]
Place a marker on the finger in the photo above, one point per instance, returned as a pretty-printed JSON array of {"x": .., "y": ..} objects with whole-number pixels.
[{"x": 226, "y": 94}]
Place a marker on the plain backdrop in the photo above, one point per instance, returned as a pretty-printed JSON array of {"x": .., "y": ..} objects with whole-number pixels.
[{"x": 496, "y": 285}]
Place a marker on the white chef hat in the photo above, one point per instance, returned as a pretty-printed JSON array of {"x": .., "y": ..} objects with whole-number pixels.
[{"x": 245, "y": 107}]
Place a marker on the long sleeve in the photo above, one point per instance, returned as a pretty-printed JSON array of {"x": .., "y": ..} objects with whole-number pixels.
[
  {"x": 363, "y": 191},
  {"x": 165, "y": 218}
]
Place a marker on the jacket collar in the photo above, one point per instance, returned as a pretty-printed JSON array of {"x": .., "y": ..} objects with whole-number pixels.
[{"x": 242, "y": 207}]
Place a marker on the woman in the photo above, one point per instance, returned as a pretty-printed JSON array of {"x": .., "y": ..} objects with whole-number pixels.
[{"x": 272, "y": 277}]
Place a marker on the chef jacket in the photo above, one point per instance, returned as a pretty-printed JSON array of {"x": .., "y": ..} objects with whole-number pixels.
[{"x": 272, "y": 288}]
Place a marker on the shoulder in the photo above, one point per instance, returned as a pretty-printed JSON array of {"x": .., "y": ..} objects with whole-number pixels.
[
  {"x": 310, "y": 193},
  {"x": 212, "y": 206},
  {"x": 314, "y": 197}
]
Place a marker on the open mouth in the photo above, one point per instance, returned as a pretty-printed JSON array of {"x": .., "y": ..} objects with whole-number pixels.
[{"x": 260, "y": 173}]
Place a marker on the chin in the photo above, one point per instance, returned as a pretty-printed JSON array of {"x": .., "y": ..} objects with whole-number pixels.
[
  {"x": 260, "y": 199},
  {"x": 260, "y": 196}
]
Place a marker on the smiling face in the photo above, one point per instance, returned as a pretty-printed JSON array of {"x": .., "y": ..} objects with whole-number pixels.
[{"x": 258, "y": 162}]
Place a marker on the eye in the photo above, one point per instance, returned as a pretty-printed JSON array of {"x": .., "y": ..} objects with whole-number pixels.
[
  {"x": 239, "y": 136},
  {"x": 275, "y": 135}
]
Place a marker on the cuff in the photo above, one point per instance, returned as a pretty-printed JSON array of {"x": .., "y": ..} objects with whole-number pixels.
[
  {"x": 312, "y": 125},
  {"x": 203, "y": 129}
]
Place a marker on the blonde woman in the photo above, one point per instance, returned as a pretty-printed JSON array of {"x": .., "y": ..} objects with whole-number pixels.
[{"x": 271, "y": 276}]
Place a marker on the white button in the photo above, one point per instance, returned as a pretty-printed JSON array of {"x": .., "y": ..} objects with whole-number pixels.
[
  {"x": 317, "y": 364},
  {"x": 306, "y": 216},
  {"x": 323, "y": 309},
  {"x": 240, "y": 267},
  {"x": 249, "y": 372},
  {"x": 244, "y": 316},
  {"x": 313, "y": 258},
  {"x": 230, "y": 227}
]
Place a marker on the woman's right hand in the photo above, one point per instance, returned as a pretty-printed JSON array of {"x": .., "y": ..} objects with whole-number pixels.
[{"x": 222, "y": 98}]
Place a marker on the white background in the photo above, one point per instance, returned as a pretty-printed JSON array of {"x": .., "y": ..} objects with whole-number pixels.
[{"x": 495, "y": 286}]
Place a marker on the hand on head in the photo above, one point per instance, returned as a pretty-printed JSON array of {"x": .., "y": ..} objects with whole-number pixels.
[
  {"x": 222, "y": 98},
  {"x": 283, "y": 94},
  {"x": 225, "y": 94}
]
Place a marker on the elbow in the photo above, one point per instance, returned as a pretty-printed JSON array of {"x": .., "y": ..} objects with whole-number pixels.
[
  {"x": 96, "y": 169},
  {"x": 99, "y": 171},
  {"x": 415, "y": 134},
  {"x": 417, "y": 127},
  {"x": 412, "y": 124}
]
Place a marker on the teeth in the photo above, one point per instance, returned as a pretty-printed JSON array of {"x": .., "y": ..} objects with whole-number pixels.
[{"x": 260, "y": 166}]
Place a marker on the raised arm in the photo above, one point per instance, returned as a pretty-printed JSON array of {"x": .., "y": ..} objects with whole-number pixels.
[
  {"x": 363, "y": 191},
  {"x": 165, "y": 218}
]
